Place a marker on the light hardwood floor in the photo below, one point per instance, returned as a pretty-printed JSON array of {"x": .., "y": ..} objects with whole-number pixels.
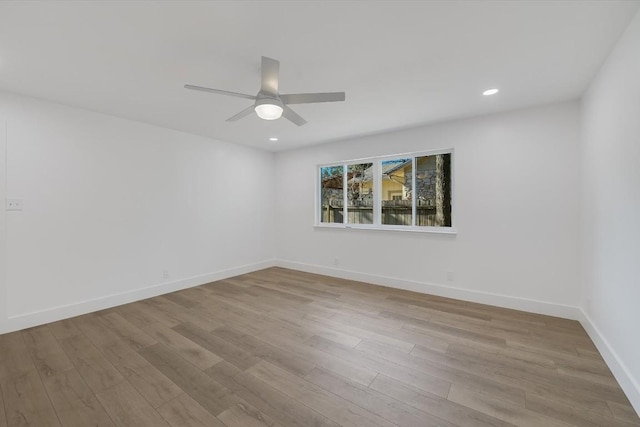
[{"x": 284, "y": 348}]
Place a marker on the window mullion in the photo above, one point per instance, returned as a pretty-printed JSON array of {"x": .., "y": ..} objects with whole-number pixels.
[
  {"x": 414, "y": 192},
  {"x": 345, "y": 198},
  {"x": 377, "y": 191}
]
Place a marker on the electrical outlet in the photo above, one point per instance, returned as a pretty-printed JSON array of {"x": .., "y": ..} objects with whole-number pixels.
[
  {"x": 336, "y": 262},
  {"x": 450, "y": 276},
  {"x": 14, "y": 204},
  {"x": 165, "y": 274}
]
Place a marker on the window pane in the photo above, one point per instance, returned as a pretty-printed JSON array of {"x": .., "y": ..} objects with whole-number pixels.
[
  {"x": 360, "y": 193},
  {"x": 396, "y": 195},
  {"x": 433, "y": 190},
  {"x": 331, "y": 194}
]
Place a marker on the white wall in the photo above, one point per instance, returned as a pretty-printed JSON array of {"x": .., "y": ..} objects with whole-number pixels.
[
  {"x": 3, "y": 225},
  {"x": 611, "y": 209},
  {"x": 110, "y": 203},
  {"x": 516, "y": 210}
]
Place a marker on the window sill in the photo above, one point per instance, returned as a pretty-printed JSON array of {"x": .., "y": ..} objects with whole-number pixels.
[{"x": 410, "y": 229}]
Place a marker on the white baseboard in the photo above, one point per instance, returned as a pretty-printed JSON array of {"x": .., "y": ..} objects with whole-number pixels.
[
  {"x": 506, "y": 301},
  {"x": 629, "y": 384},
  {"x": 27, "y": 320}
]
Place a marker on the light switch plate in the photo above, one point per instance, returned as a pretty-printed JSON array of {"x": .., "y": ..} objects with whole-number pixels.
[{"x": 14, "y": 204}]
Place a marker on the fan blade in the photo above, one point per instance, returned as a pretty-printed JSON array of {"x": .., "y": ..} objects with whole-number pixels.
[
  {"x": 310, "y": 98},
  {"x": 220, "y": 92},
  {"x": 242, "y": 114},
  {"x": 270, "y": 71},
  {"x": 292, "y": 116}
]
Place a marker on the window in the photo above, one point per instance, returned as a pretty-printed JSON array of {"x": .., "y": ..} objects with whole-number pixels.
[
  {"x": 360, "y": 193},
  {"x": 332, "y": 194},
  {"x": 408, "y": 192},
  {"x": 396, "y": 201}
]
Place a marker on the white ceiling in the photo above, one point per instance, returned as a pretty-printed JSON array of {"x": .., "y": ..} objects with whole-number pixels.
[{"x": 400, "y": 63}]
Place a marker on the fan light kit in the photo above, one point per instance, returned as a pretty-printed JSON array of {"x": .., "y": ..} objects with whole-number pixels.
[
  {"x": 489, "y": 92},
  {"x": 269, "y": 109},
  {"x": 268, "y": 103}
]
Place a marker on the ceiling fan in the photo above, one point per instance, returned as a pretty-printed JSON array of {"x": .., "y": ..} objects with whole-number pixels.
[{"x": 269, "y": 104}]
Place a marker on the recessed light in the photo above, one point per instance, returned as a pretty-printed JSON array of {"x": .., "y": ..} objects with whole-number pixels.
[
  {"x": 273, "y": 139},
  {"x": 490, "y": 92}
]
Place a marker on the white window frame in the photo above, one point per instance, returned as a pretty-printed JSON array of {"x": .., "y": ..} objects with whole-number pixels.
[{"x": 377, "y": 196}]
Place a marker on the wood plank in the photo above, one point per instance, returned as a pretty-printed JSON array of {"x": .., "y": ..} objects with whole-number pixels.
[
  {"x": 347, "y": 369},
  {"x": 515, "y": 379},
  {"x": 497, "y": 358},
  {"x": 95, "y": 331},
  {"x": 382, "y": 405},
  {"x": 624, "y": 412},
  {"x": 152, "y": 384},
  {"x": 282, "y": 325},
  {"x": 391, "y": 339},
  {"x": 242, "y": 302},
  {"x": 261, "y": 291},
  {"x": 462, "y": 311},
  {"x": 500, "y": 409},
  {"x": 126, "y": 331},
  {"x": 189, "y": 350},
  {"x": 494, "y": 328},
  {"x": 265, "y": 351},
  {"x": 14, "y": 356},
  {"x": 338, "y": 337},
  {"x": 144, "y": 377},
  {"x": 450, "y": 332},
  {"x": 366, "y": 308},
  {"x": 267, "y": 399},
  {"x": 94, "y": 368},
  {"x": 570, "y": 415},
  {"x": 137, "y": 314},
  {"x": 301, "y": 289},
  {"x": 387, "y": 305},
  {"x": 26, "y": 401},
  {"x": 424, "y": 381},
  {"x": 243, "y": 415},
  {"x": 590, "y": 354},
  {"x": 339, "y": 410},
  {"x": 203, "y": 389},
  {"x": 451, "y": 374},
  {"x": 197, "y": 294},
  {"x": 3, "y": 416},
  {"x": 196, "y": 316},
  {"x": 74, "y": 402},
  {"x": 538, "y": 381},
  {"x": 307, "y": 328},
  {"x": 63, "y": 329},
  {"x": 184, "y": 411},
  {"x": 507, "y": 354},
  {"x": 237, "y": 316},
  {"x": 157, "y": 308},
  {"x": 432, "y": 404},
  {"x": 181, "y": 298},
  {"x": 46, "y": 353},
  {"x": 368, "y": 321},
  {"x": 128, "y": 408},
  {"x": 218, "y": 346}
]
